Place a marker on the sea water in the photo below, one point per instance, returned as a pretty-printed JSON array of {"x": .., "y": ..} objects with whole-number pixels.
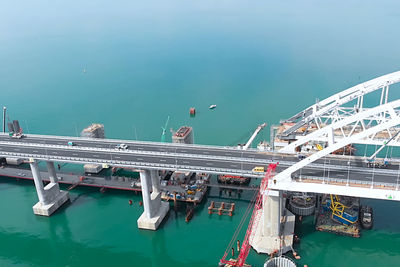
[{"x": 131, "y": 64}]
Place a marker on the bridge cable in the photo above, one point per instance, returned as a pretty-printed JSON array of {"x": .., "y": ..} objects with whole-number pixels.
[
  {"x": 398, "y": 176},
  {"x": 365, "y": 152},
  {"x": 387, "y": 152},
  {"x": 236, "y": 233},
  {"x": 241, "y": 223}
]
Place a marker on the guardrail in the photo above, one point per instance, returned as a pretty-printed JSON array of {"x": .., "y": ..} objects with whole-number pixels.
[
  {"x": 134, "y": 164},
  {"x": 348, "y": 182},
  {"x": 252, "y": 160}
]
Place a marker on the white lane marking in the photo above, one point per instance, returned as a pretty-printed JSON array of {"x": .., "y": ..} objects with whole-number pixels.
[
  {"x": 186, "y": 162},
  {"x": 54, "y": 152},
  {"x": 232, "y": 165},
  {"x": 117, "y": 157},
  {"x": 340, "y": 174},
  {"x": 16, "y": 149},
  {"x": 183, "y": 151},
  {"x": 74, "y": 154},
  {"x": 139, "y": 158},
  {"x": 209, "y": 163},
  {"x": 35, "y": 151},
  {"x": 95, "y": 155},
  {"x": 163, "y": 160}
]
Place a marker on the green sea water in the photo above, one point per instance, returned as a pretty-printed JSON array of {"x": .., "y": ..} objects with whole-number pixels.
[{"x": 258, "y": 61}]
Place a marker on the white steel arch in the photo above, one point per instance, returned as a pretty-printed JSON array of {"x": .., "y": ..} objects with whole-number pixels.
[
  {"x": 391, "y": 119},
  {"x": 331, "y": 109}
]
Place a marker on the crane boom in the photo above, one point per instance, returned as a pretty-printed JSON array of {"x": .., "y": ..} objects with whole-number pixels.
[
  {"x": 259, "y": 128},
  {"x": 164, "y": 130},
  {"x": 383, "y": 146},
  {"x": 245, "y": 249}
]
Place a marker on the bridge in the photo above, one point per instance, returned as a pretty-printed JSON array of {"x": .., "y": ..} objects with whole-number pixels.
[{"x": 335, "y": 122}]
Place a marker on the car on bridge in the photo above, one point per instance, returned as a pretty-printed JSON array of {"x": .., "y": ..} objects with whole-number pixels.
[
  {"x": 301, "y": 156},
  {"x": 121, "y": 147},
  {"x": 16, "y": 135}
]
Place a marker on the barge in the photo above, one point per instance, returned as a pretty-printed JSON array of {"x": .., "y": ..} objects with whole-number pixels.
[
  {"x": 192, "y": 190},
  {"x": 339, "y": 215},
  {"x": 232, "y": 179}
]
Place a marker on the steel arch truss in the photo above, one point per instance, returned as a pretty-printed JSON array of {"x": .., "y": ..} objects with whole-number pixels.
[
  {"x": 388, "y": 115},
  {"x": 333, "y": 109}
]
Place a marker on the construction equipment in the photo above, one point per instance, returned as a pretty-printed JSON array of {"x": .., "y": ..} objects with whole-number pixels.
[
  {"x": 164, "y": 130},
  {"x": 385, "y": 143},
  {"x": 342, "y": 213},
  {"x": 254, "y": 220},
  {"x": 4, "y": 119},
  {"x": 15, "y": 130},
  {"x": 259, "y": 128}
]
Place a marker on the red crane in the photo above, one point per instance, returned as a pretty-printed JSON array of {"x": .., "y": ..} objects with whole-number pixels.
[{"x": 244, "y": 250}]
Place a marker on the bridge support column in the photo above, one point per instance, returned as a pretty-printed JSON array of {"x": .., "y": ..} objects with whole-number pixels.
[
  {"x": 52, "y": 172},
  {"x": 154, "y": 209},
  {"x": 275, "y": 226},
  {"x": 50, "y": 196}
]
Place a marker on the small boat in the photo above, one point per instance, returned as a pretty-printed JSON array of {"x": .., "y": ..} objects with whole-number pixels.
[
  {"x": 366, "y": 217},
  {"x": 212, "y": 106},
  {"x": 84, "y": 70}
]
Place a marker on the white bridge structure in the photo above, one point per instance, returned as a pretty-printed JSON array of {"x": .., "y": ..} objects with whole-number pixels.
[
  {"x": 335, "y": 122},
  {"x": 339, "y": 125}
]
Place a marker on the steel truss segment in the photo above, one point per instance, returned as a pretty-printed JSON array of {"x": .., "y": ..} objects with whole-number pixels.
[
  {"x": 359, "y": 118},
  {"x": 286, "y": 174},
  {"x": 330, "y": 107}
]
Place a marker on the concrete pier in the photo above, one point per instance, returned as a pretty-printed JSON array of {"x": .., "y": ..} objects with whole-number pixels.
[
  {"x": 50, "y": 196},
  {"x": 154, "y": 209},
  {"x": 275, "y": 225}
]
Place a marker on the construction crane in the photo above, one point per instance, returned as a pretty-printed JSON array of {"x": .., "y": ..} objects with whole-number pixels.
[
  {"x": 254, "y": 220},
  {"x": 164, "y": 130},
  {"x": 259, "y": 128}
]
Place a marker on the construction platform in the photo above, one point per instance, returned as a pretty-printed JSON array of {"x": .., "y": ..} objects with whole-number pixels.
[
  {"x": 192, "y": 190},
  {"x": 326, "y": 224},
  {"x": 221, "y": 208}
]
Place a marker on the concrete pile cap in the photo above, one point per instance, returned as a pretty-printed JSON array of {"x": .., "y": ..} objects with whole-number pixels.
[
  {"x": 183, "y": 131},
  {"x": 93, "y": 127}
]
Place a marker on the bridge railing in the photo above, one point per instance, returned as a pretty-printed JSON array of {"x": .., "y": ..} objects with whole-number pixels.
[
  {"x": 348, "y": 182},
  {"x": 135, "y": 164}
]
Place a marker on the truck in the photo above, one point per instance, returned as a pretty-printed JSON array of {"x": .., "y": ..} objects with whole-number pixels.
[
  {"x": 381, "y": 164},
  {"x": 258, "y": 169}
]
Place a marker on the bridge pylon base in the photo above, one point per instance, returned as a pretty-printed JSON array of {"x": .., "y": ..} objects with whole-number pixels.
[
  {"x": 270, "y": 243},
  {"x": 152, "y": 223},
  {"x": 274, "y": 232},
  {"x": 48, "y": 209},
  {"x": 50, "y": 196}
]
